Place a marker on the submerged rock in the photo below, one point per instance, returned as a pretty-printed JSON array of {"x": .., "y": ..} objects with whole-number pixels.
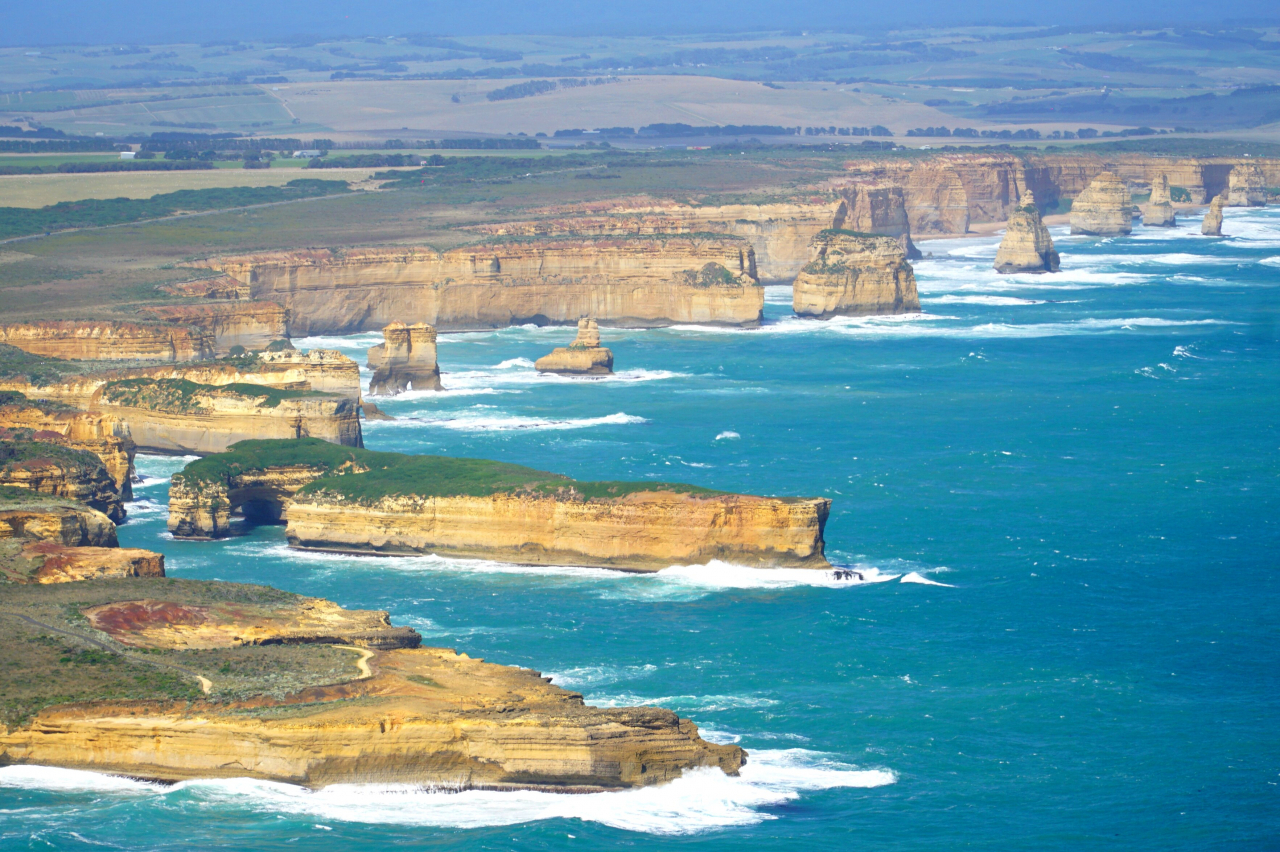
[
  {"x": 1158, "y": 211},
  {"x": 406, "y": 359},
  {"x": 1104, "y": 208},
  {"x": 1212, "y": 224},
  {"x": 855, "y": 274},
  {"x": 1247, "y": 186},
  {"x": 1027, "y": 246},
  {"x": 584, "y": 357}
]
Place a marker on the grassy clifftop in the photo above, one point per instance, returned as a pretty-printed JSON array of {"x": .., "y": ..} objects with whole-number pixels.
[{"x": 183, "y": 396}]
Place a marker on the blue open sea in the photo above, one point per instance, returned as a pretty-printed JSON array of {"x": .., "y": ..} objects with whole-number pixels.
[{"x": 1064, "y": 494}]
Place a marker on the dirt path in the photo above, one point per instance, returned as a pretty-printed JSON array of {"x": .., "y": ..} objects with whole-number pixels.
[{"x": 363, "y": 662}]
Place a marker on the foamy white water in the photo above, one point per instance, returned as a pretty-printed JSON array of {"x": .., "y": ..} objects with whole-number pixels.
[{"x": 483, "y": 418}]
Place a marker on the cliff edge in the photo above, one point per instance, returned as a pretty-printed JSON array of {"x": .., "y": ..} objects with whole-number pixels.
[{"x": 855, "y": 274}]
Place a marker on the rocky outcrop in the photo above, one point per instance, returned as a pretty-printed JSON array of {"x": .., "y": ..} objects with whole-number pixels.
[
  {"x": 218, "y": 287},
  {"x": 27, "y": 516},
  {"x": 876, "y": 209},
  {"x": 640, "y": 282},
  {"x": 180, "y": 416},
  {"x": 584, "y": 357},
  {"x": 104, "y": 436},
  {"x": 1104, "y": 208},
  {"x": 109, "y": 341},
  {"x": 855, "y": 274},
  {"x": 49, "y": 562},
  {"x": 405, "y": 359},
  {"x": 1212, "y": 224},
  {"x": 1247, "y": 186},
  {"x": 60, "y": 471},
  {"x": 201, "y": 508},
  {"x": 1158, "y": 211},
  {"x": 1026, "y": 245},
  {"x": 251, "y": 325}
]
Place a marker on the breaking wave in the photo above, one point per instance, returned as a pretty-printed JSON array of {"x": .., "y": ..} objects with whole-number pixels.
[{"x": 482, "y": 418}]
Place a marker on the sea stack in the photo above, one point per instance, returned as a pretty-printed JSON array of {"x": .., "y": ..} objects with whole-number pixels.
[
  {"x": 406, "y": 359},
  {"x": 584, "y": 357},
  {"x": 1104, "y": 208},
  {"x": 1212, "y": 225},
  {"x": 855, "y": 274},
  {"x": 1158, "y": 211},
  {"x": 1247, "y": 186},
  {"x": 1027, "y": 246}
]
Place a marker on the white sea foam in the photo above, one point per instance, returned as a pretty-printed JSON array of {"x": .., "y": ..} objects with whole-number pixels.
[
  {"x": 155, "y": 469},
  {"x": 701, "y": 800},
  {"x": 777, "y": 294},
  {"x": 1271, "y": 261},
  {"x": 728, "y": 436},
  {"x": 953, "y": 299},
  {"x": 360, "y": 341},
  {"x": 483, "y": 418},
  {"x": 519, "y": 372},
  {"x": 916, "y": 577}
]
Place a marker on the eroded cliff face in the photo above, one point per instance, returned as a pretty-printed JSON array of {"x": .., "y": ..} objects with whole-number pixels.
[
  {"x": 104, "y": 436},
  {"x": 640, "y": 282},
  {"x": 1104, "y": 208},
  {"x": 1026, "y": 245},
  {"x": 252, "y": 325},
  {"x": 1158, "y": 211},
  {"x": 178, "y": 416},
  {"x": 65, "y": 523},
  {"x": 202, "y": 510},
  {"x": 405, "y": 359},
  {"x": 854, "y": 275},
  {"x": 876, "y": 209},
  {"x": 1212, "y": 224},
  {"x": 50, "y": 562},
  {"x": 583, "y": 357},
  {"x": 646, "y": 531},
  {"x": 109, "y": 341},
  {"x": 1247, "y": 186},
  {"x": 59, "y": 471}
]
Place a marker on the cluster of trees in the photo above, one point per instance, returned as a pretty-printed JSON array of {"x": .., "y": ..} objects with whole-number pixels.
[
  {"x": 877, "y": 130},
  {"x": 539, "y": 87}
]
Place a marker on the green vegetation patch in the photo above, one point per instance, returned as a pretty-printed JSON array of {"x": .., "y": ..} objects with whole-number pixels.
[
  {"x": 183, "y": 396},
  {"x": 12, "y": 497},
  {"x": 36, "y": 369},
  {"x": 95, "y": 212},
  {"x": 711, "y": 275},
  {"x": 844, "y": 232},
  {"x": 14, "y": 453}
]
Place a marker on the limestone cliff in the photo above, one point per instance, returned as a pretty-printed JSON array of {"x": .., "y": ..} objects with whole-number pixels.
[
  {"x": 109, "y": 341},
  {"x": 405, "y": 359},
  {"x": 1247, "y": 186},
  {"x": 1026, "y": 245},
  {"x": 251, "y": 325},
  {"x": 28, "y": 516},
  {"x": 1104, "y": 208},
  {"x": 1158, "y": 211},
  {"x": 638, "y": 281},
  {"x": 584, "y": 357},
  {"x": 104, "y": 436},
  {"x": 218, "y": 287},
  {"x": 853, "y": 275},
  {"x": 1212, "y": 224},
  {"x": 60, "y": 471},
  {"x": 49, "y": 562},
  {"x": 876, "y": 209},
  {"x": 180, "y": 416}
]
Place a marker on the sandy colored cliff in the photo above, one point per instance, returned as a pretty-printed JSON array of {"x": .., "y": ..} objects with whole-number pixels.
[
  {"x": 104, "y": 436},
  {"x": 1026, "y": 245},
  {"x": 109, "y": 341},
  {"x": 30, "y": 516},
  {"x": 1212, "y": 224},
  {"x": 1158, "y": 211},
  {"x": 48, "y": 562},
  {"x": 1247, "y": 186},
  {"x": 583, "y": 357},
  {"x": 880, "y": 209},
  {"x": 60, "y": 471},
  {"x": 251, "y": 325},
  {"x": 853, "y": 275},
  {"x": 641, "y": 282},
  {"x": 1104, "y": 208},
  {"x": 406, "y": 359}
]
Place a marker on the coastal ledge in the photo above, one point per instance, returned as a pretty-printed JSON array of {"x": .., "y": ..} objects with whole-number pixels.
[{"x": 357, "y": 501}]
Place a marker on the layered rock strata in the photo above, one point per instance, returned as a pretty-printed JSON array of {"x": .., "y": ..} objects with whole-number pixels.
[
  {"x": 180, "y": 416},
  {"x": 876, "y": 209},
  {"x": 1026, "y": 245},
  {"x": 109, "y": 341},
  {"x": 251, "y": 325},
  {"x": 359, "y": 501},
  {"x": 641, "y": 282},
  {"x": 33, "y": 517},
  {"x": 406, "y": 359},
  {"x": 1158, "y": 211},
  {"x": 854, "y": 275},
  {"x": 49, "y": 562},
  {"x": 1212, "y": 224},
  {"x": 1104, "y": 208},
  {"x": 104, "y": 436},
  {"x": 60, "y": 471},
  {"x": 1247, "y": 186},
  {"x": 584, "y": 357},
  {"x": 219, "y": 287}
]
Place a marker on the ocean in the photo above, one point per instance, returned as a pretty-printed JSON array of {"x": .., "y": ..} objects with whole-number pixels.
[{"x": 1062, "y": 492}]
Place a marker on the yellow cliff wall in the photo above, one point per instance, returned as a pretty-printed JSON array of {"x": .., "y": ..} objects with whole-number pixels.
[{"x": 109, "y": 341}]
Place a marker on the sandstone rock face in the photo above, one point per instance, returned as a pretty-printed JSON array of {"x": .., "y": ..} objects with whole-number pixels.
[
  {"x": 425, "y": 716},
  {"x": 202, "y": 510},
  {"x": 172, "y": 626},
  {"x": 647, "y": 531},
  {"x": 105, "y": 437},
  {"x": 1212, "y": 224},
  {"x": 584, "y": 357},
  {"x": 60, "y": 472},
  {"x": 640, "y": 282},
  {"x": 405, "y": 359},
  {"x": 252, "y": 325},
  {"x": 55, "y": 563},
  {"x": 854, "y": 275},
  {"x": 1247, "y": 186},
  {"x": 1158, "y": 211},
  {"x": 1026, "y": 246},
  {"x": 109, "y": 341},
  {"x": 68, "y": 524},
  {"x": 876, "y": 209},
  {"x": 177, "y": 416},
  {"x": 1104, "y": 208},
  {"x": 218, "y": 287}
]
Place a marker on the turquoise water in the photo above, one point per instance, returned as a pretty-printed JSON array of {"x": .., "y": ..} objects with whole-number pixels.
[{"x": 1063, "y": 493}]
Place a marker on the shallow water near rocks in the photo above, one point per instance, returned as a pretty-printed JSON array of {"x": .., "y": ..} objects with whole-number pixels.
[{"x": 1061, "y": 492}]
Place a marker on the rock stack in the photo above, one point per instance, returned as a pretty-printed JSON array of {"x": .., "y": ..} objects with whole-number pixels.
[
  {"x": 1158, "y": 211},
  {"x": 1104, "y": 208},
  {"x": 1212, "y": 225},
  {"x": 1027, "y": 246},
  {"x": 584, "y": 357},
  {"x": 854, "y": 275},
  {"x": 1247, "y": 186},
  {"x": 877, "y": 209},
  {"x": 405, "y": 359}
]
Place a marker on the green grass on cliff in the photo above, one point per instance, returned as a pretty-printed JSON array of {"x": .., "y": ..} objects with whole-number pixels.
[
  {"x": 183, "y": 396},
  {"x": 398, "y": 475},
  {"x": 17, "y": 452}
]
